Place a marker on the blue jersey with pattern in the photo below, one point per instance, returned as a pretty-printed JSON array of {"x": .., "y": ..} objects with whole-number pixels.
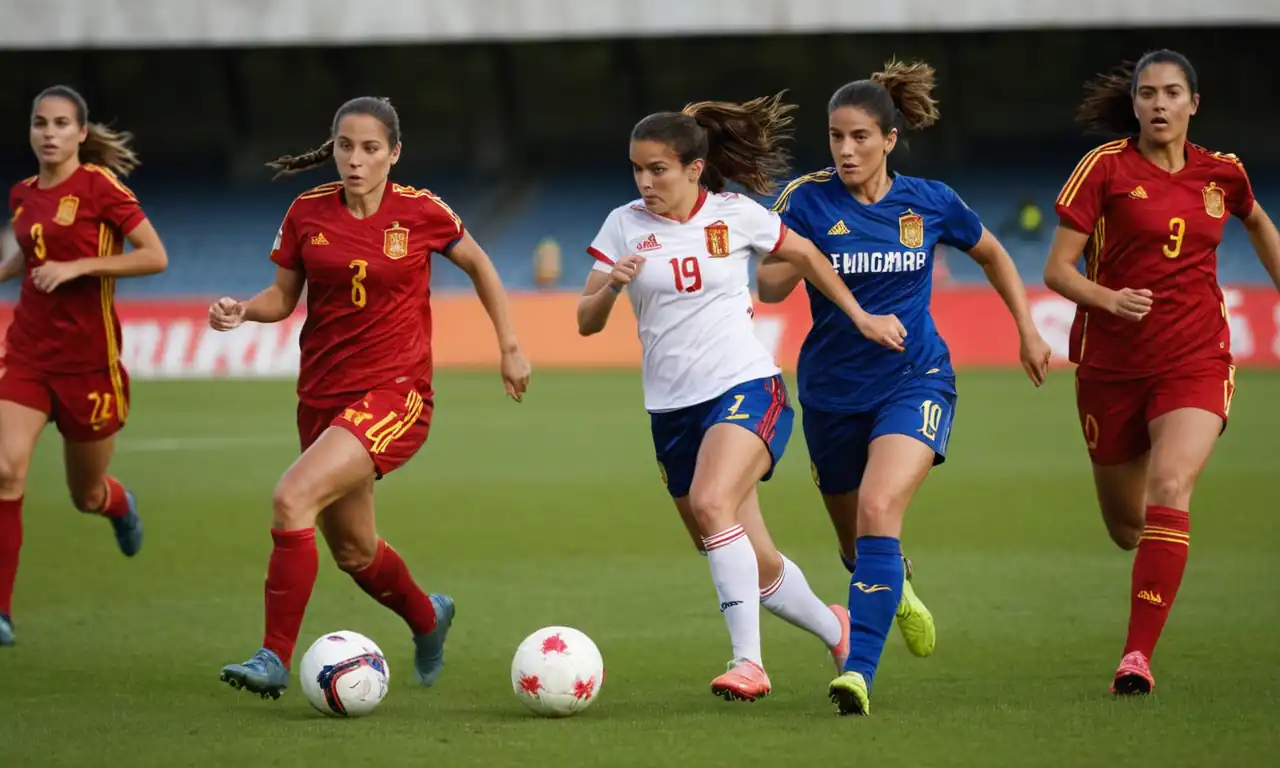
[{"x": 884, "y": 253}]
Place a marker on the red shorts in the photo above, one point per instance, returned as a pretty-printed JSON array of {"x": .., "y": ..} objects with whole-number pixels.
[
  {"x": 85, "y": 406},
  {"x": 391, "y": 423},
  {"x": 1115, "y": 414}
]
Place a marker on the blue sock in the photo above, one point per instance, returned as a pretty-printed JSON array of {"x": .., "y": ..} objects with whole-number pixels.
[
  {"x": 849, "y": 565},
  {"x": 875, "y": 589}
]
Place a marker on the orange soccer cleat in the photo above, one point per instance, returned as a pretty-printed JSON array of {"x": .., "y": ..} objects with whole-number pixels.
[
  {"x": 1133, "y": 676},
  {"x": 745, "y": 681},
  {"x": 840, "y": 654}
]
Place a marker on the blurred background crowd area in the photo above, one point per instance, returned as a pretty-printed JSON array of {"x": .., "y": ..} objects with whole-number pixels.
[{"x": 517, "y": 112}]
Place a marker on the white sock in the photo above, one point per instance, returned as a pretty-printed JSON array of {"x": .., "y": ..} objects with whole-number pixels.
[
  {"x": 736, "y": 575},
  {"x": 790, "y": 599}
]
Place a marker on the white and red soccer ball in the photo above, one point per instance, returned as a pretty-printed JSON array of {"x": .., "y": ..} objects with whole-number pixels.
[
  {"x": 344, "y": 674},
  {"x": 557, "y": 672}
]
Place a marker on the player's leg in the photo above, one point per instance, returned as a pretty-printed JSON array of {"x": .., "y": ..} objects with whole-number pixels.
[
  {"x": 327, "y": 470},
  {"x": 908, "y": 438},
  {"x": 785, "y": 592},
  {"x": 838, "y": 446},
  {"x": 21, "y": 421},
  {"x": 1114, "y": 424},
  {"x": 89, "y": 410},
  {"x": 349, "y": 529}
]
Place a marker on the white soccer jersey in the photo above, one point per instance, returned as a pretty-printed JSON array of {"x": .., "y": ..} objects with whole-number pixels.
[{"x": 691, "y": 297}]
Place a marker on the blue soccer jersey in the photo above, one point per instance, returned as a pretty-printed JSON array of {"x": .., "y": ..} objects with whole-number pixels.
[{"x": 884, "y": 252}]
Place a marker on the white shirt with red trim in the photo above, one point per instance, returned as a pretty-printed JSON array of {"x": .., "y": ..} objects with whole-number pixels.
[{"x": 691, "y": 297}]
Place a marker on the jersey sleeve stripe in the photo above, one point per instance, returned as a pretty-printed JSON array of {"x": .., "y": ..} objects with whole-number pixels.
[
  {"x": 782, "y": 235},
  {"x": 111, "y": 177},
  {"x": 784, "y": 197},
  {"x": 1084, "y": 168},
  {"x": 106, "y": 247},
  {"x": 599, "y": 256}
]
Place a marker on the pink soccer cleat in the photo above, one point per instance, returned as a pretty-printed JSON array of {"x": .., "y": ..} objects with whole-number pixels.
[
  {"x": 1133, "y": 676},
  {"x": 745, "y": 681},
  {"x": 840, "y": 654}
]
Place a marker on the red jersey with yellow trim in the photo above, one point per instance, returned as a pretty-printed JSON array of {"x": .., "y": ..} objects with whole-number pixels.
[
  {"x": 368, "y": 288},
  {"x": 1153, "y": 229},
  {"x": 74, "y": 329}
]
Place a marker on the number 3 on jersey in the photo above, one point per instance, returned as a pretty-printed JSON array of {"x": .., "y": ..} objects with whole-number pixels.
[
  {"x": 1177, "y": 230},
  {"x": 688, "y": 274},
  {"x": 37, "y": 241},
  {"x": 359, "y": 296}
]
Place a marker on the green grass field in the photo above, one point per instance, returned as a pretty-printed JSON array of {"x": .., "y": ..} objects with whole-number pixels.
[{"x": 552, "y": 512}]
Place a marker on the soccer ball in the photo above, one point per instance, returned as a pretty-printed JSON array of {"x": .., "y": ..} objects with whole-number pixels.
[
  {"x": 557, "y": 672},
  {"x": 344, "y": 674}
]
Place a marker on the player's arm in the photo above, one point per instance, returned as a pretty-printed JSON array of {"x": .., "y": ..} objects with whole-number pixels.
[
  {"x": 1001, "y": 272},
  {"x": 467, "y": 254},
  {"x": 1265, "y": 240},
  {"x": 11, "y": 262},
  {"x": 604, "y": 284},
  {"x": 148, "y": 256},
  {"x": 1062, "y": 277},
  {"x": 776, "y": 279},
  {"x": 270, "y": 306}
]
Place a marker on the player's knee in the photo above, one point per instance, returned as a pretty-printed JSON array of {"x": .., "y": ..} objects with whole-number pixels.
[
  {"x": 13, "y": 477},
  {"x": 711, "y": 510},
  {"x": 291, "y": 508},
  {"x": 1169, "y": 488},
  {"x": 89, "y": 498},
  {"x": 879, "y": 514},
  {"x": 1125, "y": 534}
]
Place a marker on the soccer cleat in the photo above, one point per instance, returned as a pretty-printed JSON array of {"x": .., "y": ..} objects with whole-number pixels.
[
  {"x": 850, "y": 695},
  {"x": 6, "y": 630},
  {"x": 745, "y": 681},
  {"x": 916, "y": 623},
  {"x": 840, "y": 654},
  {"x": 263, "y": 674},
  {"x": 129, "y": 528},
  {"x": 1134, "y": 676},
  {"x": 428, "y": 657}
]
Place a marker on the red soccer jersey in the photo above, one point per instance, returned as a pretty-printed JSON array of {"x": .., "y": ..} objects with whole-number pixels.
[
  {"x": 1160, "y": 231},
  {"x": 75, "y": 328},
  {"x": 368, "y": 288}
]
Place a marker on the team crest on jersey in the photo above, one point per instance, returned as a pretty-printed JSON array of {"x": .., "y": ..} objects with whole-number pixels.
[
  {"x": 717, "y": 239},
  {"x": 911, "y": 229},
  {"x": 395, "y": 241},
  {"x": 67, "y": 208},
  {"x": 1215, "y": 200}
]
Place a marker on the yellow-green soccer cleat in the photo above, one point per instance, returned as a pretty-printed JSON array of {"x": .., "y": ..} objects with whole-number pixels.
[
  {"x": 916, "y": 623},
  {"x": 850, "y": 695}
]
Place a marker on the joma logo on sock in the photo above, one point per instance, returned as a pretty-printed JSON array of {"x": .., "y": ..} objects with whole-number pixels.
[
  {"x": 726, "y": 606},
  {"x": 1151, "y": 597},
  {"x": 867, "y": 590}
]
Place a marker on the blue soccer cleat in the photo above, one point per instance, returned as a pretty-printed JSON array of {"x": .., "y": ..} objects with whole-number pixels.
[
  {"x": 428, "y": 659},
  {"x": 6, "y": 630},
  {"x": 129, "y": 528},
  {"x": 263, "y": 674}
]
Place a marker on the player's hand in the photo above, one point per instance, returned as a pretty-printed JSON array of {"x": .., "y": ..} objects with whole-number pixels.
[
  {"x": 225, "y": 314},
  {"x": 625, "y": 271},
  {"x": 515, "y": 374},
  {"x": 1035, "y": 354},
  {"x": 48, "y": 276},
  {"x": 885, "y": 330},
  {"x": 1129, "y": 303}
]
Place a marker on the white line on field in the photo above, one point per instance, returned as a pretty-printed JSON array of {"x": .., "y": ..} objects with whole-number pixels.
[{"x": 166, "y": 444}]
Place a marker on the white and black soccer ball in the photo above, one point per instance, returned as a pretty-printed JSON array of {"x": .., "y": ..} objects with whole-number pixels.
[
  {"x": 344, "y": 674},
  {"x": 557, "y": 672}
]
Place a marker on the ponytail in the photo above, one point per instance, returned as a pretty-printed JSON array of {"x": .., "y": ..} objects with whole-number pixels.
[
  {"x": 743, "y": 142},
  {"x": 1107, "y": 108},
  {"x": 379, "y": 108}
]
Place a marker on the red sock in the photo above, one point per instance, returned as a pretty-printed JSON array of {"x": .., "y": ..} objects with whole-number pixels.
[
  {"x": 388, "y": 581},
  {"x": 1157, "y": 574},
  {"x": 116, "y": 504},
  {"x": 291, "y": 574},
  {"x": 10, "y": 543}
]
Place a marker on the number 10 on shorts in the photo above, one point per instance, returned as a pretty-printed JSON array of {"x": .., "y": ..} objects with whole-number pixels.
[{"x": 931, "y": 413}]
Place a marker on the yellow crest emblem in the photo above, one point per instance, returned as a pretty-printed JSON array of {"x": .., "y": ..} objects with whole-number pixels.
[
  {"x": 717, "y": 239},
  {"x": 395, "y": 241},
  {"x": 67, "y": 208},
  {"x": 1215, "y": 200},
  {"x": 911, "y": 229}
]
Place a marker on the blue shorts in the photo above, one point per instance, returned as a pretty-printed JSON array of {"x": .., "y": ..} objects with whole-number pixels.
[
  {"x": 838, "y": 442},
  {"x": 761, "y": 405}
]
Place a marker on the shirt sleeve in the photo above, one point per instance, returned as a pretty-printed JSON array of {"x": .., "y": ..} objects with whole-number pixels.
[
  {"x": 287, "y": 250},
  {"x": 118, "y": 205},
  {"x": 608, "y": 245},
  {"x": 1240, "y": 200},
  {"x": 444, "y": 227},
  {"x": 962, "y": 228},
  {"x": 1079, "y": 204},
  {"x": 764, "y": 229}
]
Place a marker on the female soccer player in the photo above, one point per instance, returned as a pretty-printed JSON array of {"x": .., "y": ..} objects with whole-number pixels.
[
  {"x": 1155, "y": 379},
  {"x": 62, "y": 352},
  {"x": 877, "y": 416},
  {"x": 361, "y": 247},
  {"x": 719, "y": 409}
]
